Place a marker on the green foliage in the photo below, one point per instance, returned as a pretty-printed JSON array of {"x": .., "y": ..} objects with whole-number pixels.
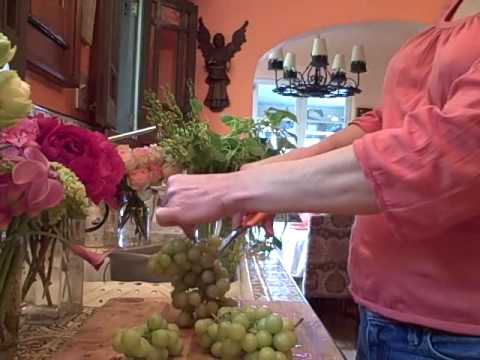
[{"x": 191, "y": 144}]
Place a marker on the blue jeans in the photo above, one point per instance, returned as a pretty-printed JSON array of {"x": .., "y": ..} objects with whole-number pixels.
[{"x": 384, "y": 339}]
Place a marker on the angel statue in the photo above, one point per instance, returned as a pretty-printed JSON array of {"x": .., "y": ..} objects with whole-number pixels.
[{"x": 217, "y": 57}]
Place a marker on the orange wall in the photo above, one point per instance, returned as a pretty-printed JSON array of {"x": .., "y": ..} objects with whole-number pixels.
[
  {"x": 274, "y": 21},
  {"x": 49, "y": 95}
]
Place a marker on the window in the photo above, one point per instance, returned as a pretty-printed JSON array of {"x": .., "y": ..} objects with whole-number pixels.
[{"x": 317, "y": 118}]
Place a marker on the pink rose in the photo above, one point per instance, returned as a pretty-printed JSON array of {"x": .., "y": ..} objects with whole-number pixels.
[
  {"x": 142, "y": 155},
  {"x": 139, "y": 179},
  {"x": 156, "y": 173},
  {"x": 126, "y": 154}
]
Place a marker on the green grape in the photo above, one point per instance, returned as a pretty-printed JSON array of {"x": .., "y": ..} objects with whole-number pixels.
[
  {"x": 264, "y": 338},
  {"x": 201, "y": 326},
  {"x": 208, "y": 277},
  {"x": 156, "y": 322},
  {"x": 250, "y": 312},
  {"x": 251, "y": 356},
  {"x": 180, "y": 300},
  {"x": 261, "y": 324},
  {"x": 190, "y": 279},
  {"x": 173, "y": 337},
  {"x": 206, "y": 261},
  {"x": 174, "y": 269},
  {"x": 236, "y": 332},
  {"x": 194, "y": 298},
  {"x": 194, "y": 254},
  {"x": 274, "y": 324},
  {"x": 160, "y": 338},
  {"x": 213, "y": 331},
  {"x": 280, "y": 356},
  {"x": 222, "y": 273},
  {"x": 141, "y": 330},
  {"x": 231, "y": 348},
  {"x": 223, "y": 311},
  {"x": 142, "y": 350},
  {"x": 197, "y": 269},
  {"x": 212, "y": 291},
  {"x": 288, "y": 325},
  {"x": 217, "y": 349},
  {"x": 242, "y": 320},
  {"x": 179, "y": 286},
  {"x": 168, "y": 248},
  {"x": 205, "y": 341},
  {"x": 263, "y": 312},
  {"x": 152, "y": 265},
  {"x": 184, "y": 320},
  {"x": 157, "y": 354},
  {"x": 249, "y": 343},
  {"x": 267, "y": 353},
  {"x": 284, "y": 341},
  {"x": 179, "y": 245},
  {"x": 180, "y": 258},
  {"x": 223, "y": 330},
  {"x": 212, "y": 307},
  {"x": 174, "y": 328},
  {"x": 176, "y": 349},
  {"x": 228, "y": 302},
  {"x": 187, "y": 266},
  {"x": 223, "y": 285},
  {"x": 201, "y": 311},
  {"x": 117, "y": 343}
]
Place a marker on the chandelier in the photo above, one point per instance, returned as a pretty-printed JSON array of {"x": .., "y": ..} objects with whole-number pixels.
[{"x": 317, "y": 80}]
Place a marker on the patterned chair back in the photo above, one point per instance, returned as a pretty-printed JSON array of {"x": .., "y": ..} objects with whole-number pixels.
[{"x": 328, "y": 248}]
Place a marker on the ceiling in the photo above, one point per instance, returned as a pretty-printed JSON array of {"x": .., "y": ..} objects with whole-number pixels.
[{"x": 380, "y": 39}]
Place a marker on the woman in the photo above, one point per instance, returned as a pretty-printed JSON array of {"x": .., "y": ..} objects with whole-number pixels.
[{"x": 411, "y": 169}]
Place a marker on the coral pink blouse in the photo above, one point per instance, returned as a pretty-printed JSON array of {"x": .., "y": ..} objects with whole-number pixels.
[{"x": 419, "y": 260}]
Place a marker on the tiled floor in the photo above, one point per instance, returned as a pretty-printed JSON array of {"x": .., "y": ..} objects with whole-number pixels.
[{"x": 341, "y": 322}]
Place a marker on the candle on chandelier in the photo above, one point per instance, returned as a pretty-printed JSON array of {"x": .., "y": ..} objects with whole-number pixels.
[
  {"x": 339, "y": 64},
  {"x": 277, "y": 54},
  {"x": 290, "y": 62},
  {"x": 359, "y": 63},
  {"x": 319, "y": 47}
]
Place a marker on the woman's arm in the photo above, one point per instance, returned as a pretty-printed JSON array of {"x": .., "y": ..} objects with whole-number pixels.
[
  {"x": 331, "y": 182},
  {"x": 338, "y": 140}
]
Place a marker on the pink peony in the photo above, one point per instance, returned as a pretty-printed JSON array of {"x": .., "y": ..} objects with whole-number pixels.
[
  {"x": 126, "y": 154},
  {"x": 88, "y": 154},
  {"x": 93, "y": 258},
  {"x": 139, "y": 179}
]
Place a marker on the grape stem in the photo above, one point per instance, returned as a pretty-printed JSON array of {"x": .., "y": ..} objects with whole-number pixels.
[{"x": 297, "y": 324}]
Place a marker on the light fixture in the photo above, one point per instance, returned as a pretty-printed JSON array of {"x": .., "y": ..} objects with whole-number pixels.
[{"x": 317, "y": 80}]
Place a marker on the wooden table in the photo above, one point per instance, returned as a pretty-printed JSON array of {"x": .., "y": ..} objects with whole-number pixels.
[{"x": 260, "y": 280}]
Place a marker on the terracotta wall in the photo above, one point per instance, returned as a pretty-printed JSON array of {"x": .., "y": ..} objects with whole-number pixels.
[
  {"x": 274, "y": 21},
  {"x": 47, "y": 94}
]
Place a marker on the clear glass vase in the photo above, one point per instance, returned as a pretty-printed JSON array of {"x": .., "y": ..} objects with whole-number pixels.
[
  {"x": 52, "y": 287},
  {"x": 134, "y": 218},
  {"x": 11, "y": 274}
]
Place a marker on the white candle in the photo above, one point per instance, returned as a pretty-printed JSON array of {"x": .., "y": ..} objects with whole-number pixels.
[
  {"x": 276, "y": 54},
  {"x": 319, "y": 47},
  {"x": 358, "y": 53},
  {"x": 339, "y": 63},
  {"x": 290, "y": 61}
]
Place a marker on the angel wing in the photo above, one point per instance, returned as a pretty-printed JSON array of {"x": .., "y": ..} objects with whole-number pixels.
[
  {"x": 238, "y": 39},
  {"x": 204, "y": 39}
]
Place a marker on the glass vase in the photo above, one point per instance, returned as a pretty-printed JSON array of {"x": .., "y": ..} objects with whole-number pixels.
[
  {"x": 134, "y": 218},
  {"x": 52, "y": 287},
  {"x": 11, "y": 258}
]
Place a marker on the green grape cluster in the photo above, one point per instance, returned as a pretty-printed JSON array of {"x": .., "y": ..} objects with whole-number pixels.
[
  {"x": 250, "y": 333},
  {"x": 199, "y": 279},
  {"x": 154, "y": 340}
]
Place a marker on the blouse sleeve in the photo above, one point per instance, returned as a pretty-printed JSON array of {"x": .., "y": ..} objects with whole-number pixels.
[
  {"x": 426, "y": 174},
  {"x": 370, "y": 121}
]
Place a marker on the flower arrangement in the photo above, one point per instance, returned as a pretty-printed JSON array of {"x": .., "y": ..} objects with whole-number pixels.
[{"x": 145, "y": 168}]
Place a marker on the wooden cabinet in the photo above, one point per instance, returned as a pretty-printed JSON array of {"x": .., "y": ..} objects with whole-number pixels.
[
  {"x": 53, "y": 40},
  {"x": 13, "y": 19},
  {"x": 170, "y": 31}
]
